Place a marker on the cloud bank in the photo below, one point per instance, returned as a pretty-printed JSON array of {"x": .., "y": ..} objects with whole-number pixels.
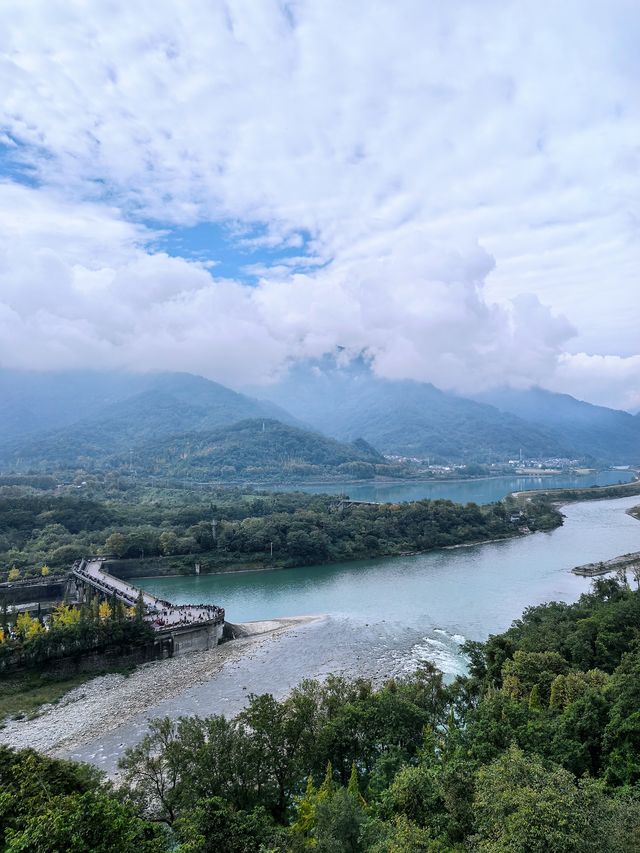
[{"x": 465, "y": 177}]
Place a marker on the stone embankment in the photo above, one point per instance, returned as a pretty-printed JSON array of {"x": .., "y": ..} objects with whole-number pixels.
[{"x": 626, "y": 562}]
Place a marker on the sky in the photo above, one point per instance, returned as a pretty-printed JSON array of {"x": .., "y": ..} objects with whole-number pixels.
[{"x": 450, "y": 190}]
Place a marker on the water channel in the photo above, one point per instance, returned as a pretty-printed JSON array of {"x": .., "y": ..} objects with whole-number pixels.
[
  {"x": 381, "y": 617},
  {"x": 480, "y": 490}
]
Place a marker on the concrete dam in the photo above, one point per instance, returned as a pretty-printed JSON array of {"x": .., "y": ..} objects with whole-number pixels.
[{"x": 180, "y": 628}]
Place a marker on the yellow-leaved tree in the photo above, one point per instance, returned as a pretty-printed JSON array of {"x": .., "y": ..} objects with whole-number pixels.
[
  {"x": 14, "y": 574},
  {"x": 45, "y": 570},
  {"x": 65, "y": 615},
  {"x": 104, "y": 611},
  {"x": 27, "y": 627}
]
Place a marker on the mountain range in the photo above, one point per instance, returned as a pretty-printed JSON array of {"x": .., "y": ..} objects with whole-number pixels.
[{"x": 85, "y": 418}]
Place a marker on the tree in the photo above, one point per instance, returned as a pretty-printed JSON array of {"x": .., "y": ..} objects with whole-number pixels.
[
  {"x": 140, "y": 608},
  {"x": 14, "y": 574},
  {"x": 65, "y": 615},
  {"x": 522, "y": 806},
  {"x": 45, "y": 570},
  {"x": 26, "y": 627},
  {"x": 116, "y": 544},
  {"x": 168, "y": 542},
  {"x": 152, "y": 769},
  {"x": 213, "y": 826},
  {"x": 76, "y": 823}
]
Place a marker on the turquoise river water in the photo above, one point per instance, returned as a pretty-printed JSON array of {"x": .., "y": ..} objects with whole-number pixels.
[
  {"x": 481, "y": 491},
  {"x": 381, "y": 617}
]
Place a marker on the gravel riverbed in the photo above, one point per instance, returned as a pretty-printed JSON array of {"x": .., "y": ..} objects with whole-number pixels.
[{"x": 108, "y": 701}]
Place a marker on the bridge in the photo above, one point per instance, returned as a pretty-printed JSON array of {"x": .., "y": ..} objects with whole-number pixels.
[
  {"x": 161, "y": 615},
  {"x": 346, "y": 502}
]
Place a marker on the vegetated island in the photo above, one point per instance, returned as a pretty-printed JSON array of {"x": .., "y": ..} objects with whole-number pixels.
[
  {"x": 167, "y": 531},
  {"x": 535, "y": 749}
]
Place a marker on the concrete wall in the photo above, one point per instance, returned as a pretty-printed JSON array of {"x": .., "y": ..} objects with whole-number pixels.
[
  {"x": 109, "y": 660},
  {"x": 196, "y": 638},
  {"x": 37, "y": 591}
]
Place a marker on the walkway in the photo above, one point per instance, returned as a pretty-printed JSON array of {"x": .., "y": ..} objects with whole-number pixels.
[{"x": 161, "y": 614}]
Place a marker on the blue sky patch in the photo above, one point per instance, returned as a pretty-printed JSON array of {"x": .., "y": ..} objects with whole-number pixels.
[{"x": 233, "y": 252}]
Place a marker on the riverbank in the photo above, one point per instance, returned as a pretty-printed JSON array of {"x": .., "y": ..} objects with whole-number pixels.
[
  {"x": 384, "y": 617},
  {"x": 101, "y": 705},
  {"x": 563, "y": 496}
]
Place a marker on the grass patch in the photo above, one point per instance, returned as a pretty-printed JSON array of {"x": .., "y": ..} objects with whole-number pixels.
[{"x": 23, "y": 695}]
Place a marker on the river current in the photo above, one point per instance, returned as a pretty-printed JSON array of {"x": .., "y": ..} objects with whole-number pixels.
[{"x": 381, "y": 617}]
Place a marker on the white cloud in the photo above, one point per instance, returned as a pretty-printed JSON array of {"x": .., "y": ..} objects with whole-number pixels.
[
  {"x": 400, "y": 135},
  {"x": 608, "y": 380},
  {"x": 77, "y": 286}
]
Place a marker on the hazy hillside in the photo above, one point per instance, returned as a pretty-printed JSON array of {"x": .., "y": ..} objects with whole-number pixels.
[
  {"x": 595, "y": 431},
  {"x": 167, "y": 404},
  {"x": 85, "y": 418},
  {"x": 255, "y": 449},
  {"x": 408, "y": 418},
  {"x": 32, "y": 401}
]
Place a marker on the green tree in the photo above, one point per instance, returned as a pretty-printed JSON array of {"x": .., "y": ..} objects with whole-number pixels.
[
  {"x": 77, "y": 823},
  {"x": 116, "y": 544},
  {"x": 213, "y": 826},
  {"x": 523, "y": 807}
]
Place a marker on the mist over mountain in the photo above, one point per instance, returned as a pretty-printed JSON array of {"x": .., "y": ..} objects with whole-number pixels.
[
  {"x": 603, "y": 433},
  {"x": 98, "y": 415},
  {"x": 408, "y": 418},
  {"x": 417, "y": 419},
  {"x": 85, "y": 418}
]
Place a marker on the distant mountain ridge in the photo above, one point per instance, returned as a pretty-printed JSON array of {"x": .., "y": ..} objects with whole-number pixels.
[
  {"x": 417, "y": 419},
  {"x": 595, "y": 431},
  {"x": 84, "y": 418},
  {"x": 159, "y": 406},
  {"x": 411, "y": 418}
]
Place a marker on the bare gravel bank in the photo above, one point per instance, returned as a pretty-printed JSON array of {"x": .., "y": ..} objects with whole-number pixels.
[{"x": 108, "y": 701}]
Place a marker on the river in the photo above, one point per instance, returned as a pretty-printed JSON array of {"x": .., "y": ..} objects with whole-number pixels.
[
  {"x": 482, "y": 490},
  {"x": 381, "y": 617}
]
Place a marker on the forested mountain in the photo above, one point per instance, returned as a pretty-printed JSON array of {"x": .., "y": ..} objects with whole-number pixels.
[
  {"x": 256, "y": 448},
  {"x": 146, "y": 409},
  {"x": 417, "y": 419},
  {"x": 84, "y": 418},
  {"x": 591, "y": 430},
  {"x": 410, "y": 418}
]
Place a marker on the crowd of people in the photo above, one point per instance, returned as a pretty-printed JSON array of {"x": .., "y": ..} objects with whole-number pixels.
[
  {"x": 172, "y": 615},
  {"x": 161, "y": 614}
]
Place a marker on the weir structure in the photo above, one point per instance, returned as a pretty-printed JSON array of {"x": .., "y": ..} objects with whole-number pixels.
[{"x": 181, "y": 627}]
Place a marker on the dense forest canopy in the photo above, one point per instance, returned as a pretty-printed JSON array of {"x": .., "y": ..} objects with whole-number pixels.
[{"x": 219, "y": 527}]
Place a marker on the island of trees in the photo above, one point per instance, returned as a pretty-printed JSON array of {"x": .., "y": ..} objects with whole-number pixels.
[{"x": 223, "y": 527}]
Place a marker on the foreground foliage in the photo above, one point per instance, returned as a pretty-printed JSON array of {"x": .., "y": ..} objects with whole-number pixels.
[{"x": 536, "y": 750}]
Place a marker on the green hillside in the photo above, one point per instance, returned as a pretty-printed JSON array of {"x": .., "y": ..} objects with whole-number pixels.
[
  {"x": 172, "y": 404},
  {"x": 256, "y": 449},
  {"x": 410, "y": 418},
  {"x": 604, "y": 434}
]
